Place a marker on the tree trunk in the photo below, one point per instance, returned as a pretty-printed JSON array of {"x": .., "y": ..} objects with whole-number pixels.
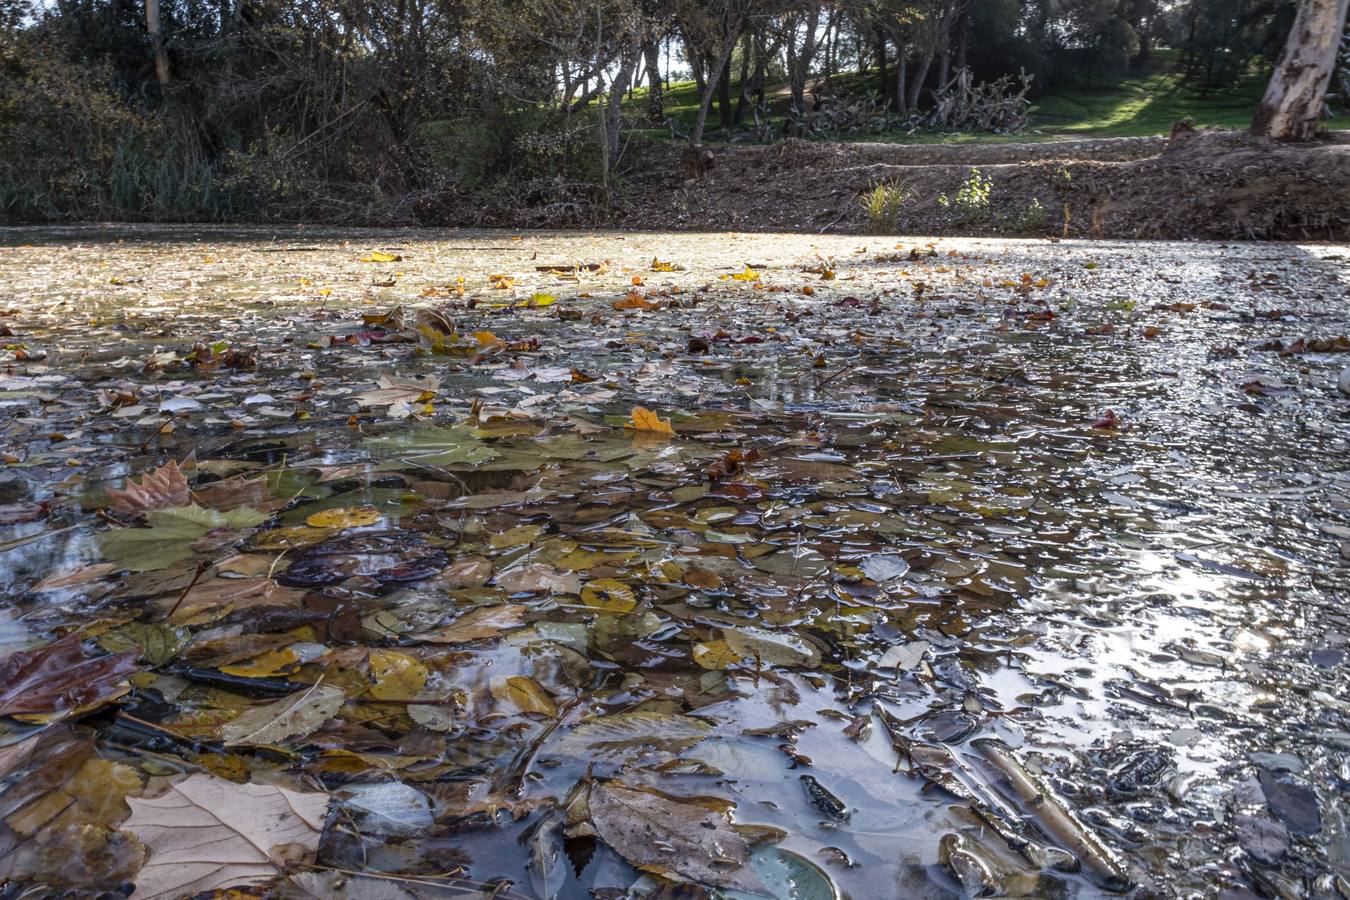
[
  {"x": 883, "y": 80},
  {"x": 743, "y": 95},
  {"x": 706, "y": 95},
  {"x": 901, "y": 64},
  {"x": 724, "y": 98},
  {"x": 1293, "y": 102},
  {"x": 656, "y": 105},
  {"x": 152, "y": 25},
  {"x": 916, "y": 86}
]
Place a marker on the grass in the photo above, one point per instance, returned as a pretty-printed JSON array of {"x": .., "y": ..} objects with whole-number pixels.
[{"x": 1145, "y": 103}]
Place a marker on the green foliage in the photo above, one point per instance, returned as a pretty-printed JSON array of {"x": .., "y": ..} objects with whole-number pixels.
[
  {"x": 1032, "y": 219},
  {"x": 883, "y": 204},
  {"x": 971, "y": 203}
]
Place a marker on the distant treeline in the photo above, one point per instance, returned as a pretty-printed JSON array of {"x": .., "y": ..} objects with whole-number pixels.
[{"x": 339, "y": 110}]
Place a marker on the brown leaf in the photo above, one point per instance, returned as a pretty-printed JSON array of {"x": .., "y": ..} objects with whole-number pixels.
[
  {"x": 163, "y": 488},
  {"x": 687, "y": 840},
  {"x": 205, "y": 833},
  {"x": 58, "y": 679},
  {"x": 478, "y": 624}
]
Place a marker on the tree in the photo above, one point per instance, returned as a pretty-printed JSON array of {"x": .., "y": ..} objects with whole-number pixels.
[{"x": 1293, "y": 101}]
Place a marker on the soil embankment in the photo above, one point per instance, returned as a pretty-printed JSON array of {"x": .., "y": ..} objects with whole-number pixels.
[{"x": 1218, "y": 185}]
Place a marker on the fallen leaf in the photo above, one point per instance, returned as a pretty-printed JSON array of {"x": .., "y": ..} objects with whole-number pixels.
[
  {"x": 625, "y": 730},
  {"x": 478, "y": 624},
  {"x": 295, "y": 716},
  {"x": 609, "y": 595},
  {"x": 163, "y": 488},
  {"x": 57, "y": 679},
  {"x": 686, "y": 840},
  {"x": 379, "y": 256},
  {"x": 646, "y": 421},
  {"x": 395, "y": 676},
  {"x": 525, "y": 694},
  {"x": 345, "y": 517},
  {"x": 205, "y": 833}
]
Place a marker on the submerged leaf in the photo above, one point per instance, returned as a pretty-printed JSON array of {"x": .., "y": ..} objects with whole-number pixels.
[
  {"x": 164, "y": 487},
  {"x": 293, "y": 716},
  {"x": 57, "y": 679},
  {"x": 623, "y": 731}
]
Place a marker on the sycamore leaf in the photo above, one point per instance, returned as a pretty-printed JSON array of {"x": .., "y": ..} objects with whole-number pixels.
[
  {"x": 170, "y": 535},
  {"x": 164, "y": 487},
  {"x": 205, "y": 833},
  {"x": 645, "y": 420},
  {"x": 685, "y": 840},
  {"x": 293, "y": 716}
]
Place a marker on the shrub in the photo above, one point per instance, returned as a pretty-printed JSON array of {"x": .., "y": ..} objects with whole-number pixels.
[{"x": 971, "y": 203}]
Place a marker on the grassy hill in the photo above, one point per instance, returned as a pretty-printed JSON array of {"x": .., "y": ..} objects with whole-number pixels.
[{"x": 1137, "y": 104}]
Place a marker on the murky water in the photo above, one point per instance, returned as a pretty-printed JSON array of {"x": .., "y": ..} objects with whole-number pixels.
[{"x": 899, "y": 592}]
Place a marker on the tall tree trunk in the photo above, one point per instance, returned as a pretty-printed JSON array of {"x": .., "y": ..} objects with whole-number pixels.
[
  {"x": 1293, "y": 102},
  {"x": 901, "y": 64},
  {"x": 656, "y": 106},
  {"x": 724, "y": 98},
  {"x": 156, "y": 31},
  {"x": 883, "y": 80},
  {"x": 705, "y": 96},
  {"x": 743, "y": 95},
  {"x": 916, "y": 86}
]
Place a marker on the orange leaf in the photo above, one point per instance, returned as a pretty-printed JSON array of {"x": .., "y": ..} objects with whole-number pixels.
[{"x": 646, "y": 420}]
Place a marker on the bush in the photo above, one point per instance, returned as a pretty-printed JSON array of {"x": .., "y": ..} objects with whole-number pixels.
[{"x": 971, "y": 203}]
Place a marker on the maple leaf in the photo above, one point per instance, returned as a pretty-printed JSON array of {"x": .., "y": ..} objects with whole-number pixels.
[
  {"x": 647, "y": 421},
  {"x": 163, "y": 488}
]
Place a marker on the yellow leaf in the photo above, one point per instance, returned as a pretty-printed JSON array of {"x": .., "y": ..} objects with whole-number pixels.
[
  {"x": 501, "y": 282},
  {"x": 526, "y": 695},
  {"x": 515, "y": 537},
  {"x": 268, "y": 665},
  {"x": 345, "y": 517},
  {"x": 715, "y": 655},
  {"x": 486, "y": 338},
  {"x": 395, "y": 676},
  {"x": 748, "y": 275},
  {"x": 646, "y": 420},
  {"x": 609, "y": 594},
  {"x": 379, "y": 256},
  {"x": 537, "y": 301},
  {"x": 659, "y": 266}
]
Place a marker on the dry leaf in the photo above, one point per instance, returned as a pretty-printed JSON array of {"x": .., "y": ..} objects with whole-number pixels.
[
  {"x": 163, "y": 488},
  {"x": 294, "y": 716},
  {"x": 647, "y": 421},
  {"x": 478, "y": 624},
  {"x": 205, "y": 833}
]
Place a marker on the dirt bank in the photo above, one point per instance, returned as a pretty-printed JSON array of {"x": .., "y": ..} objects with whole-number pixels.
[{"x": 1221, "y": 185}]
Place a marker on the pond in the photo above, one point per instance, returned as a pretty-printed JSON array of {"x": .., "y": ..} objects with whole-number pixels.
[{"x": 677, "y": 565}]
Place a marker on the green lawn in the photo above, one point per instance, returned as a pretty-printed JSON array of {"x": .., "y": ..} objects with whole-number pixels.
[{"x": 1139, "y": 104}]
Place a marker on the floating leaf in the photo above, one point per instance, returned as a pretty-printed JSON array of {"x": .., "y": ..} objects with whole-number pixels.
[
  {"x": 395, "y": 676},
  {"x": 688, "y": 840},
  {"x": 164, "y": 487},
  {"x": 478, "y": 624},
  {"x": 623, "y": 731},
  {"x": 716, "y": 655},
  {"x": 379, "y": 256},
  {"x": 526, "y": 694},
  {"x": 57, "y": 679},
  {"x": 609, "y": 594},
  {"x": 345, "y": 517},
  {"x": 646, "y": 421},
  {"x": 156, "y": 642},
  {"x": 205, "y": 833},
  {"x": 170, "y": 535},
  {"x": 435, "y": 446},
  {"x": 770, "y": 647},
  {"x": 281, "y": 720}
]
